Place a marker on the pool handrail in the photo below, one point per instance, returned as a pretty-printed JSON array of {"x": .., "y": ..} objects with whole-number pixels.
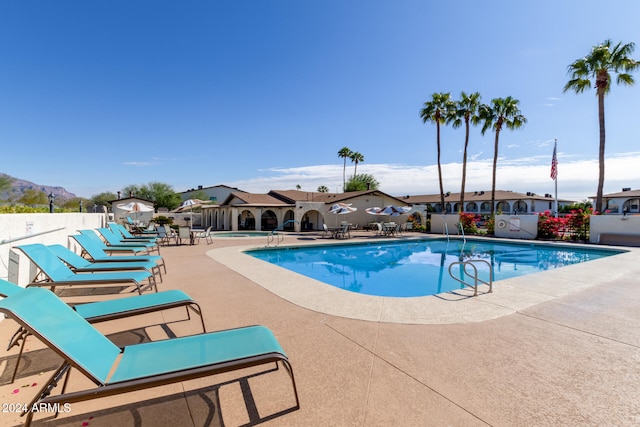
[{"x": 475, "y": 277}]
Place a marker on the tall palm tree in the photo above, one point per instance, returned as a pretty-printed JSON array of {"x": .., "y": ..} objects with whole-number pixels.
[
  {"x": 344, "y": 153},
  {"x": 356, "y": 158},
  {"x": 467, "y": 108},
  {"x": 438, "y": 111},
  {"x": 597, "y": 66},
  {"x": 501, "y": 112}
]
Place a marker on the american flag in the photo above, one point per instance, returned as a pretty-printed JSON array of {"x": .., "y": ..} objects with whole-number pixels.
[{"x": 554, "y": 165}]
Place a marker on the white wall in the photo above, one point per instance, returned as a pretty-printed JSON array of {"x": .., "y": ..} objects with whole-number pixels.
[
  {"x": 438, "y": 222},
  {"x": 516, "y": 226},
  {"x": 46, "y": 228},
  {"x": 511, "y": 226},
  {"x": 616, "y": 224}
]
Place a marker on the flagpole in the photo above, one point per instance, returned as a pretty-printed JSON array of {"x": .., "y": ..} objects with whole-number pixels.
[{"x": 555, "y": 146}]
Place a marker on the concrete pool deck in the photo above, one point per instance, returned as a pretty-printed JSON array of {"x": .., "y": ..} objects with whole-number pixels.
[
  {"x": 459, "y": 307},
  {"x": 563, "y": 351}
]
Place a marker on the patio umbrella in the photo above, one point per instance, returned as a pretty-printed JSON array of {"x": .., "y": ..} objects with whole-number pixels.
[
  {"x": 135, "y": 207},
  {"x": 341, "y": 209},
  {"x": 388, "y": 211},
  {"x": 190, "y": 204}
]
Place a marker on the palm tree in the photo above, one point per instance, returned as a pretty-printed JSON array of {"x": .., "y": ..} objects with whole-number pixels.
[
  {"x": 344, "y": 153},
  {"x": 438, "y": 110},
  {"x": 501, "y": 112},
  {"x": 597, "y": 66},
  {"x": 356, "y": 158},
  {"x": 467, "y": 112},
  {"x": 323, "y": 189}
]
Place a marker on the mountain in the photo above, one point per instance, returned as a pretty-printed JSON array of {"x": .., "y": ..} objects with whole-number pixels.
[{"x": 18, "y": 187}]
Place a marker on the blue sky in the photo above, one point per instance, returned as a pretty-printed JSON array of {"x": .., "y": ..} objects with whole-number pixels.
[{"x": 261, "y": 95}]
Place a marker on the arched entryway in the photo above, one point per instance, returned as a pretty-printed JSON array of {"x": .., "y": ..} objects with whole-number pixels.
[
  {"x": 268, "y": 221},
  {"x": 246, "y": 220},
  {"x": 520, "y": 207},
  {"x": 289, "y": 216}
]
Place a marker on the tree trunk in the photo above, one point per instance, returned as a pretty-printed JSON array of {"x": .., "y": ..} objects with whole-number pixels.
[
  {"x": 444, "y": 210},
  {"x": 601, "y": 150},
  {"x": 344, "y": 175},
  {"x": 464, "y": 166},
  {"x": 495, "y": 166}
]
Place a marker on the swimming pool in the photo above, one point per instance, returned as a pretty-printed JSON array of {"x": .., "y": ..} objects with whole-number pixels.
[{"x": 419, "y": 267}]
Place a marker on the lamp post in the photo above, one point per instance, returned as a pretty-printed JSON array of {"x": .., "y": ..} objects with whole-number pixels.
[{"x": 51, "y": 199}]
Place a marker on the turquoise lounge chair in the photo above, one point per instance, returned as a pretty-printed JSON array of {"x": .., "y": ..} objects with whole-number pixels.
[
  {"x": 83, "y": 265},
  {"x": 113, "y": 241},
  {"x": 121, "y": 248},
  {"x": 98, "y": 251},
  {"x": 116, "y": 370},
  {"x": 56, "y": 273},
  {"x": 122, "y": 232},
  {"x": 103, "y": 311}
]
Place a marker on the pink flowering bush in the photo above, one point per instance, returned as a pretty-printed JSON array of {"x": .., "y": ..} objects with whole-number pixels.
[
  {"x": 469, "y": 222},
  {"x": 550, "y": 227},
  {"x": 578, "y": 222}
]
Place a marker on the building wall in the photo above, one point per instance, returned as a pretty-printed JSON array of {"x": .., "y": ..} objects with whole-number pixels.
[
  {"x": 506, "y": 226},
  {"x": 516, "y": 226},
  {"x": 45, "y": 228},
  {"x": 614, "y": 224}
]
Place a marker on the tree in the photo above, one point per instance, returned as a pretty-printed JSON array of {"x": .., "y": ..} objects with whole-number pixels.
[
  {"x": 344, "y": 153},
  {"x": 323, "y": 189},
  {"x": 298, "y": 187},
  {"x": 33, "y": 197},
  {"x": 501, "y": 112},
  {"x": 438, "y": 111},
  {"x": 356, "y": 158},
  {"x": 103, "y": 199},
  {"x": 466, "y": 112},
  {"x": 362, "y": 182},
  {"x": 73, "y": 204},
  {"x": 161, "y": 194},
  {"x": 597, "y": 66}
]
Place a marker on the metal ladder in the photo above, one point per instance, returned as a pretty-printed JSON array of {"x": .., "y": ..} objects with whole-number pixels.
[
  {"x": 276, "y": 238},
  {"x": 458, "y": 226},
  {"x": 473, "y": 275}
]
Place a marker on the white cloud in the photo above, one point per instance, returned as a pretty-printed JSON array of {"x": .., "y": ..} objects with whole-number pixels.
[
  {"x": 577, "y": 178},
  {"x": 137, "y": 163}
]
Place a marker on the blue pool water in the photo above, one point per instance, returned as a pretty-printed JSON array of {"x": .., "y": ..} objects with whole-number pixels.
[{"x": 419, "y": 267}]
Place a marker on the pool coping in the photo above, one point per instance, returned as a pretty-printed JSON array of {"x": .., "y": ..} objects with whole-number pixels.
[{"x": 508, "y": 296}]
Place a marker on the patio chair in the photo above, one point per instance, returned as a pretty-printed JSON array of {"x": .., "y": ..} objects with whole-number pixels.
[
  {"x": 96, "y": 249},
  {"x": 380, "y": 229},
  {"x": 113, "y": 240},
  {"x": 343, "y": 233},
  {"x": 103, "y": 311},
  {"x": 127, "y": 237},
  {"x": 83, "y": 265},
  {"x": 116, "y": 370},
  {"x": 184, "y": 233},
  {"x": 204, "y": 235},
  {"x": 54, "y": 272},
  {"x": 170, "y": 231}
]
